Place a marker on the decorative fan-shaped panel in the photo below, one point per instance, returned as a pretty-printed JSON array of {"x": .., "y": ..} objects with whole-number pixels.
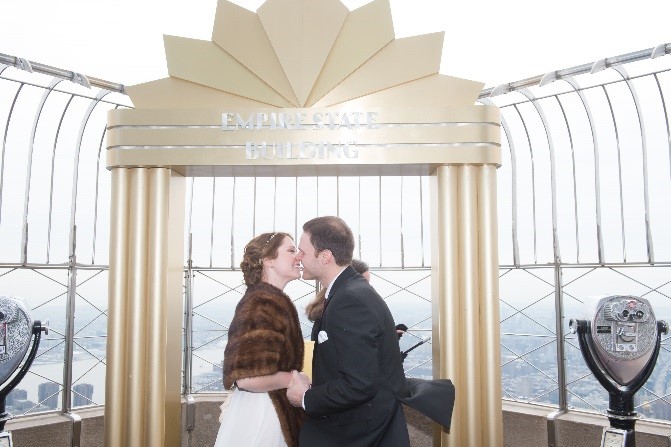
[
  {"x": 305, "y": 53},
  {"x": 302, "y": 33},
  {"x": 240, "y": 33}
]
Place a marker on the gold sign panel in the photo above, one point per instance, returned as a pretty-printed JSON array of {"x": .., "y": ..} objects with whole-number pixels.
[{"x": 290, "y": 142}]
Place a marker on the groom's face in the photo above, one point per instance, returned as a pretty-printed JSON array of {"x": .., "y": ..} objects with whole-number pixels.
[{"x": 307, "y": 256}]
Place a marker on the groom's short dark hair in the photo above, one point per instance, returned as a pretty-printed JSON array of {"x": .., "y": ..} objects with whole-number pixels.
[{"x": 331, "y": 233}]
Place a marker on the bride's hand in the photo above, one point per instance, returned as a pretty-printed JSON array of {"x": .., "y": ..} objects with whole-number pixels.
[
  {"x": 297, "y": 388},
  {"x": 304, "y": 379}
]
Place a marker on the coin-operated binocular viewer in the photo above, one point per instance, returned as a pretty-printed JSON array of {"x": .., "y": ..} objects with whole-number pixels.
[
  {"x": 620, "y": 345},
  {"x": 17, "y": 330}
]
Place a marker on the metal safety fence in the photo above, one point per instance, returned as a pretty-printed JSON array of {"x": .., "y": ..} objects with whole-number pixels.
[{"x": 582, "y": 195}]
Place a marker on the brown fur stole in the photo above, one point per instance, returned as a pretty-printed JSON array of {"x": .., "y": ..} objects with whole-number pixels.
[{"x": 264, "y": 338}]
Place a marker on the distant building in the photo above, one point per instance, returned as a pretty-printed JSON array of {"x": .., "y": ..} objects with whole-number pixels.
[
  {"x": 16, "y": 394},
  {"x": 82, "y": 394},
  {"x": 47, "y": 393},
  {"x": 23, "y": 405}
]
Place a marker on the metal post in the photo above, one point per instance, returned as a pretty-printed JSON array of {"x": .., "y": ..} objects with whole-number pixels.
[
  {"x": 188, "y": 322},
  {"x": 70, "y": 323},
  {"x": 559, "y": 325}
]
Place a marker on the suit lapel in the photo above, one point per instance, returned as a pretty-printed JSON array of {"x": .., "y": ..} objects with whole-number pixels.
[{"x": 340, "y": 280}]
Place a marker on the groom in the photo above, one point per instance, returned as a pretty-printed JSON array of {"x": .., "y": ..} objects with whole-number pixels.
[{"x": 357, "y": 368}]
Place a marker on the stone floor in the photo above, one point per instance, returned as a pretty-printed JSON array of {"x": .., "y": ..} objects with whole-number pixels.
[{"x": 420, "y": 428}]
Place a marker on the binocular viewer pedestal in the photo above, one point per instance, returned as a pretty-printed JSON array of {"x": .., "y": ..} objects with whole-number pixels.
[
  {"x": 620, "y": 346},
  {"x": 17, "y": 331}
]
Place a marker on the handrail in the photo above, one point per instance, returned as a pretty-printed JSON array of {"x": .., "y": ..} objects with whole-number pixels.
[
  {"x": 593, "y": 67},
  {"x": 75, "y": 77}
]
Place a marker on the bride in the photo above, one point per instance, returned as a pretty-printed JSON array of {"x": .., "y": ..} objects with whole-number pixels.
[{"x": 265, "y": 346}]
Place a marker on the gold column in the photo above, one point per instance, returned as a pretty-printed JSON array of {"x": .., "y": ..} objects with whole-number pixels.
[
  {"x": 471, "y": 405},
  {"x": 491, "y": 320},
  {"x": 445, "y": 293},
  {"x": 115, "y": 379},
  {"x": 466, "y": 334},
  {"x": 156, "y": 327},
  {"x": 136, "y": 317},
  {"x": 142, "y": 391},
  {"x": 175, "y": 310}
]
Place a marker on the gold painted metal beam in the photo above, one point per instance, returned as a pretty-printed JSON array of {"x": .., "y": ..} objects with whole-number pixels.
[
  {"x": 464, "y": 272},
  {"x": 447, "y": 330},
  {"x": 142, "y": 400},
  {"x": 115, "y": 379},
  {"x": 489, "y": 307},
  {"x": 469, "y": 315}
]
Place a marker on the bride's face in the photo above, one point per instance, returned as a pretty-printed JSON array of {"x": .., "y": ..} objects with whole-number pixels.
[{"x": 285, "y": 265}]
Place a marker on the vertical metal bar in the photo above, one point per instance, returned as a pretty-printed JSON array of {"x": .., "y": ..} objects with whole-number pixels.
[
  {"x": 193, "y": 181},
  {"x": 29, "y": 166},
  {"x": 95, "y": 209},
  {"x": 666, "y": 121},
  {"x": 51, "y": 185},
  {"x": 359, "y": 219},
  {"x": 379, "y": 228},
  {"x": 317, "y": 189},
  {"x": 254, "y": 210},
  {"x": 188, "y": 322},
  {"x": 644, "y": 156},
  {"x": 513, "y": 184},
  {"x": 597, "y": 171},
  {"x": 513, "y": 193},
  {"x": 401, "y": 211},
  {"x": 553, "y": 167},
  {"x": 233, "y": 223},
  {"x": 619, "y": 173},
  {"x": 559, "y": 327},
  {"x": 214, "y": 196},
  {"x": 72, "y": 270},
  {"x": 559, "y": 304},
  {"x": 78, "y": 148},
  {"x": 70, "y": 323},
  {"x": 296, "y": 235},
  {"x": 274, "y": 204},
  {"x": 4, "y": 145},
  {"x": 533, "y": 181},
  {"x": 421, "y": 216},
  {"x": 575, "y": 187},
  {"x": 338, "y": 196}
]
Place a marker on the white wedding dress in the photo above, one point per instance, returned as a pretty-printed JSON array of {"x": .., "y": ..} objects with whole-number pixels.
[{"x": 249, "y": 420}]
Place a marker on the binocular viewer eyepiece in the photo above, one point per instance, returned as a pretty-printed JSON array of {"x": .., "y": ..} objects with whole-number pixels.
[
  {"x": 622, "y": 336},
  {"x": 620, "y": 345}
]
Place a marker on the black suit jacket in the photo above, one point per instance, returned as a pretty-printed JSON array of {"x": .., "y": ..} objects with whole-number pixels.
[{"x": 357, "y": 371}]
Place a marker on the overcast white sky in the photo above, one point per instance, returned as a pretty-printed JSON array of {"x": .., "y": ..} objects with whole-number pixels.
[{"x": 489, "y": 41}]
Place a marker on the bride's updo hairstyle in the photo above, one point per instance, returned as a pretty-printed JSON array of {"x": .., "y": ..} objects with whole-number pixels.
[{"x": 263, "y": 246}]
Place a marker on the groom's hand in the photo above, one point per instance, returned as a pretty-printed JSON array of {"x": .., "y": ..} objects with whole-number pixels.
[{"x": 300, "y": 384}]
